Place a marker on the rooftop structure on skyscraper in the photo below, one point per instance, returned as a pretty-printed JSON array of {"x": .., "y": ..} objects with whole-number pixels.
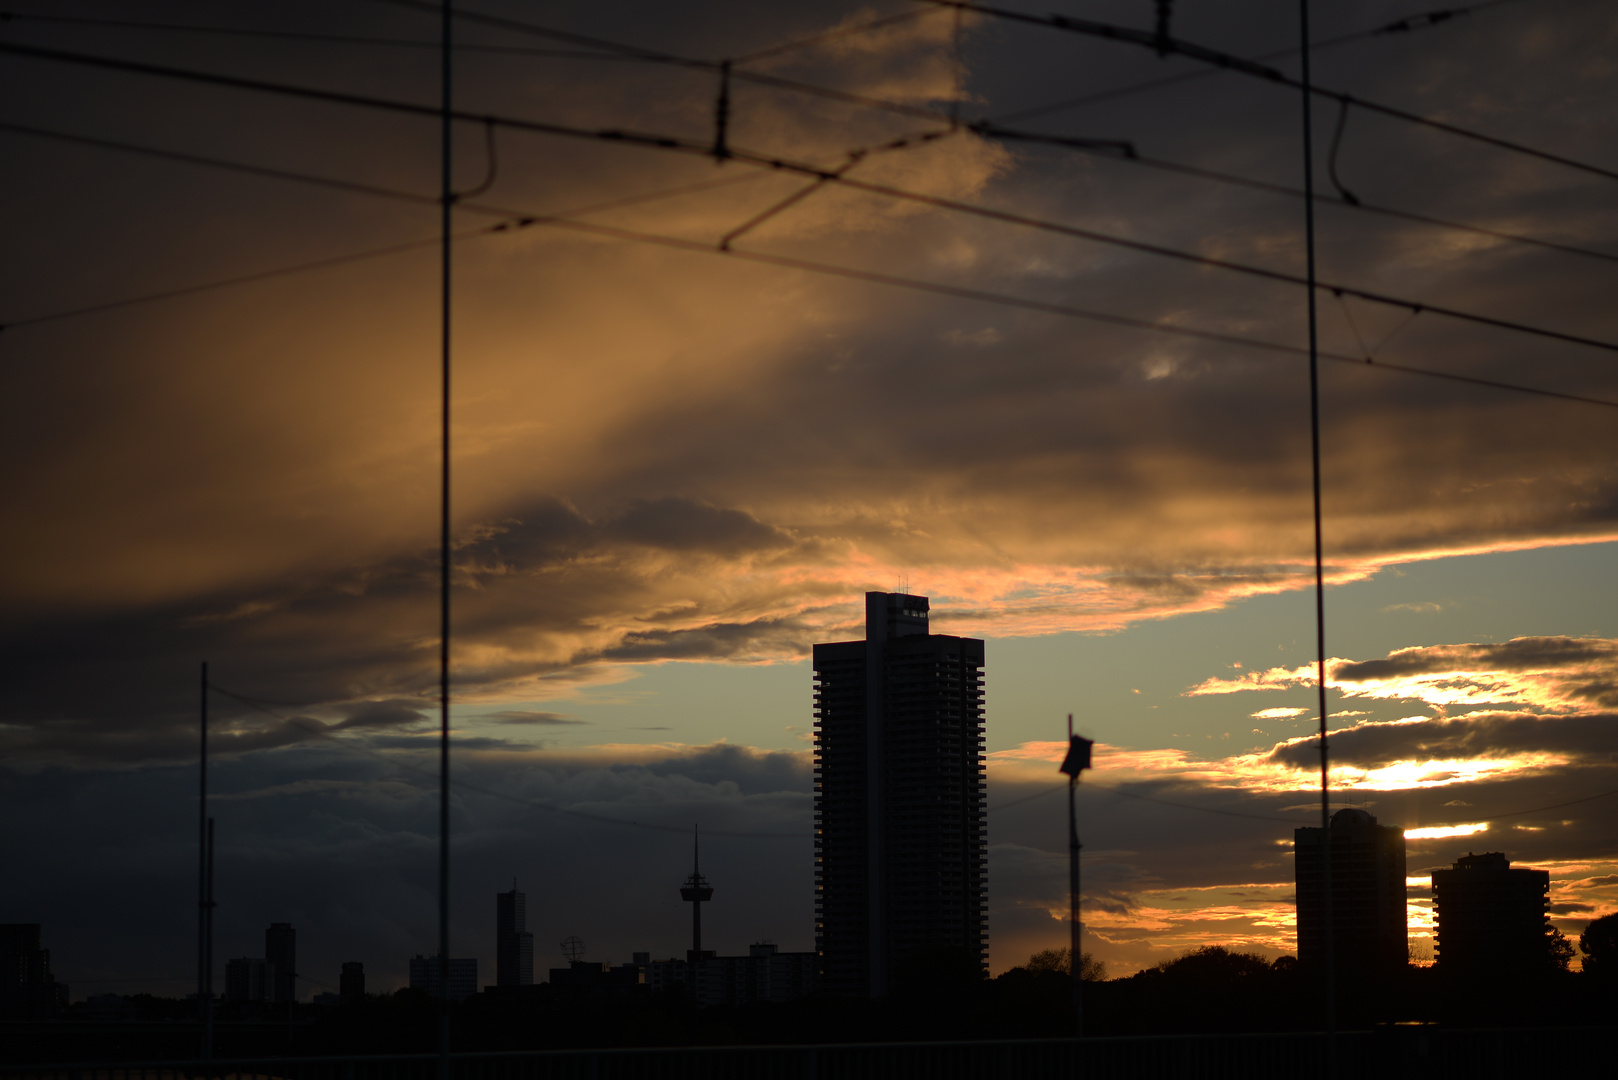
[{"x": 900, "y": 864}]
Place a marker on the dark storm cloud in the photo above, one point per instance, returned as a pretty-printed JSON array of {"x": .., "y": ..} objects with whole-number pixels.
[
  {"x": 1519, "y": 654},
  {"x": 766, "y": 637},
  {"x": 344, "y": 847},
  {"x": 531, "y": 717},
  {"x": 752, "y": 771},
  {"x": 1586, "y": 738},
  {"x": 360, "y": 633},
  {"x": 689, "y": 525},
  {"x": 382, "y": 714}
]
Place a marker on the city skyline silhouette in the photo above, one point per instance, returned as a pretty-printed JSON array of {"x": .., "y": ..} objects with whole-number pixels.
[{"x": 748, "y": 322}]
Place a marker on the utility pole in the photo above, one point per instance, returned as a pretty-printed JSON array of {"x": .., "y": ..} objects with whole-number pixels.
[
  {"x": 1077, "y": 760},
  {"x": 446, "y": 211},
  {"x": 1330, "y": 972},
  {"x": 204, "y": 874},
  {"x": 207, "y": 951}
]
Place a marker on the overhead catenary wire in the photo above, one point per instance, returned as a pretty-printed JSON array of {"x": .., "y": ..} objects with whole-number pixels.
[
  {"x": 1101, "y": 149},
  {"x": 991, "y": 128},
  {"x": 286, "y": 35},
  {"x": 1060, "y": 22},
  {"x": 1229, "y": 62},
  {"x": 692, "y": 147},
  {"x": 561, "y": 220},
  {"x": 1404, "y": 25},
  {"x": 641, "y": 53}
]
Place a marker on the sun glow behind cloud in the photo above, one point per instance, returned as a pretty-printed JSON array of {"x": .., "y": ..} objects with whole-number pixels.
[
  {"x": 1436, "y": 831},
  {"x": 1261, "y": 772}
]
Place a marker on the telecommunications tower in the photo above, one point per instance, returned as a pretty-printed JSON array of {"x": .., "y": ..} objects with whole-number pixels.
[{"x": 696, "y": 889}]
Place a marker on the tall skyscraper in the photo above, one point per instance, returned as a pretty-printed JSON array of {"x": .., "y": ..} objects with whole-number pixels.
[
  {"x": 900, "y": 865},
  {"x": 27, "y": 989},
  {"x": 513, "y": 944},
  {"x": 1369, "y": 929},
  {"x": 1492, "y": 917},
  {"x": 281, "y": 953}
]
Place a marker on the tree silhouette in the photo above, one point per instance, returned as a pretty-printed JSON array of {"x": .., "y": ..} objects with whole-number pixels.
[
  {"x": 1061, "y": 960},
  {"x": 1558, "y": 950},
  {"x": 1599, "y": 944}
]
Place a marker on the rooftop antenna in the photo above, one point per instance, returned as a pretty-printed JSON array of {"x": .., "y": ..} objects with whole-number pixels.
[{"x": 695, "y": 890}]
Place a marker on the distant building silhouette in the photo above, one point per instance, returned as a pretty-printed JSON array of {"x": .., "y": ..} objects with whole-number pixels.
[
  {"x": 281, "y": 952},
  {"x": 28, "y": 991},
  {"x": 1492, "y": 918},
  {"x": 764, "y": 974},
  {"x": 598, "y": 979},
  {"x": 1369, "y": 926},
  {"x": 900, "y": 866},
  {"x": 249, "y": 979},
  {"x": 463, "y": 976},
  {"x": 351, "y": 983},
  {"x": 513, "y": 943}
]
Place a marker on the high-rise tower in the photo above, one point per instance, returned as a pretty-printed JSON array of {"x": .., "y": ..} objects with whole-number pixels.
[
  {"x": 1492, "y": 917},
  {"x": 513, "y": 943},
  {"x": 281, "y": 953},
  {"x": 900, "y": 862},
  {"x": 1369, "y": 928}
]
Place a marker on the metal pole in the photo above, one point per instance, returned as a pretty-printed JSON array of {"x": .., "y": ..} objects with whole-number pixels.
[
  {"x": 207, "y": 953},
  {"x": 446, "y": 131},
  {"x": 202, "y": 868},
  {"x": 1073, "y": 894},
  {"x": 1330, "y": 973}
]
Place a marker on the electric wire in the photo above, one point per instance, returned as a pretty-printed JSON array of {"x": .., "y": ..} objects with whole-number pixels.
[
  {"x": 689, "y": 147},
  {"x": 561, "y": 220},
  {"x": 1410, "y": 22},
  {"x": 621, "y": 53},
  {"x": 392, "y": 193},
  {"x": 836, "y": 34},
  {"x": 1226, "y": 61},
  {"x": 993, "y": 131},
  {"x": 287, "y": 35},
  {"x": 261, "y": 275},
  {"x": 987, "y": 128},
  {"x": 658, "y": 56}
]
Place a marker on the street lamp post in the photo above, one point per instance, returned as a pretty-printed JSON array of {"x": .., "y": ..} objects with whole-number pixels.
[{"x": 1077, "y": 760}]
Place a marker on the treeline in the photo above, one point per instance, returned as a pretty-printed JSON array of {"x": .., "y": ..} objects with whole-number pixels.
[{"x": 1208, "y": 990}]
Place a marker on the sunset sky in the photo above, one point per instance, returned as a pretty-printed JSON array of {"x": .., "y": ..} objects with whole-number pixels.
[{"x": 676, "y": 468}]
